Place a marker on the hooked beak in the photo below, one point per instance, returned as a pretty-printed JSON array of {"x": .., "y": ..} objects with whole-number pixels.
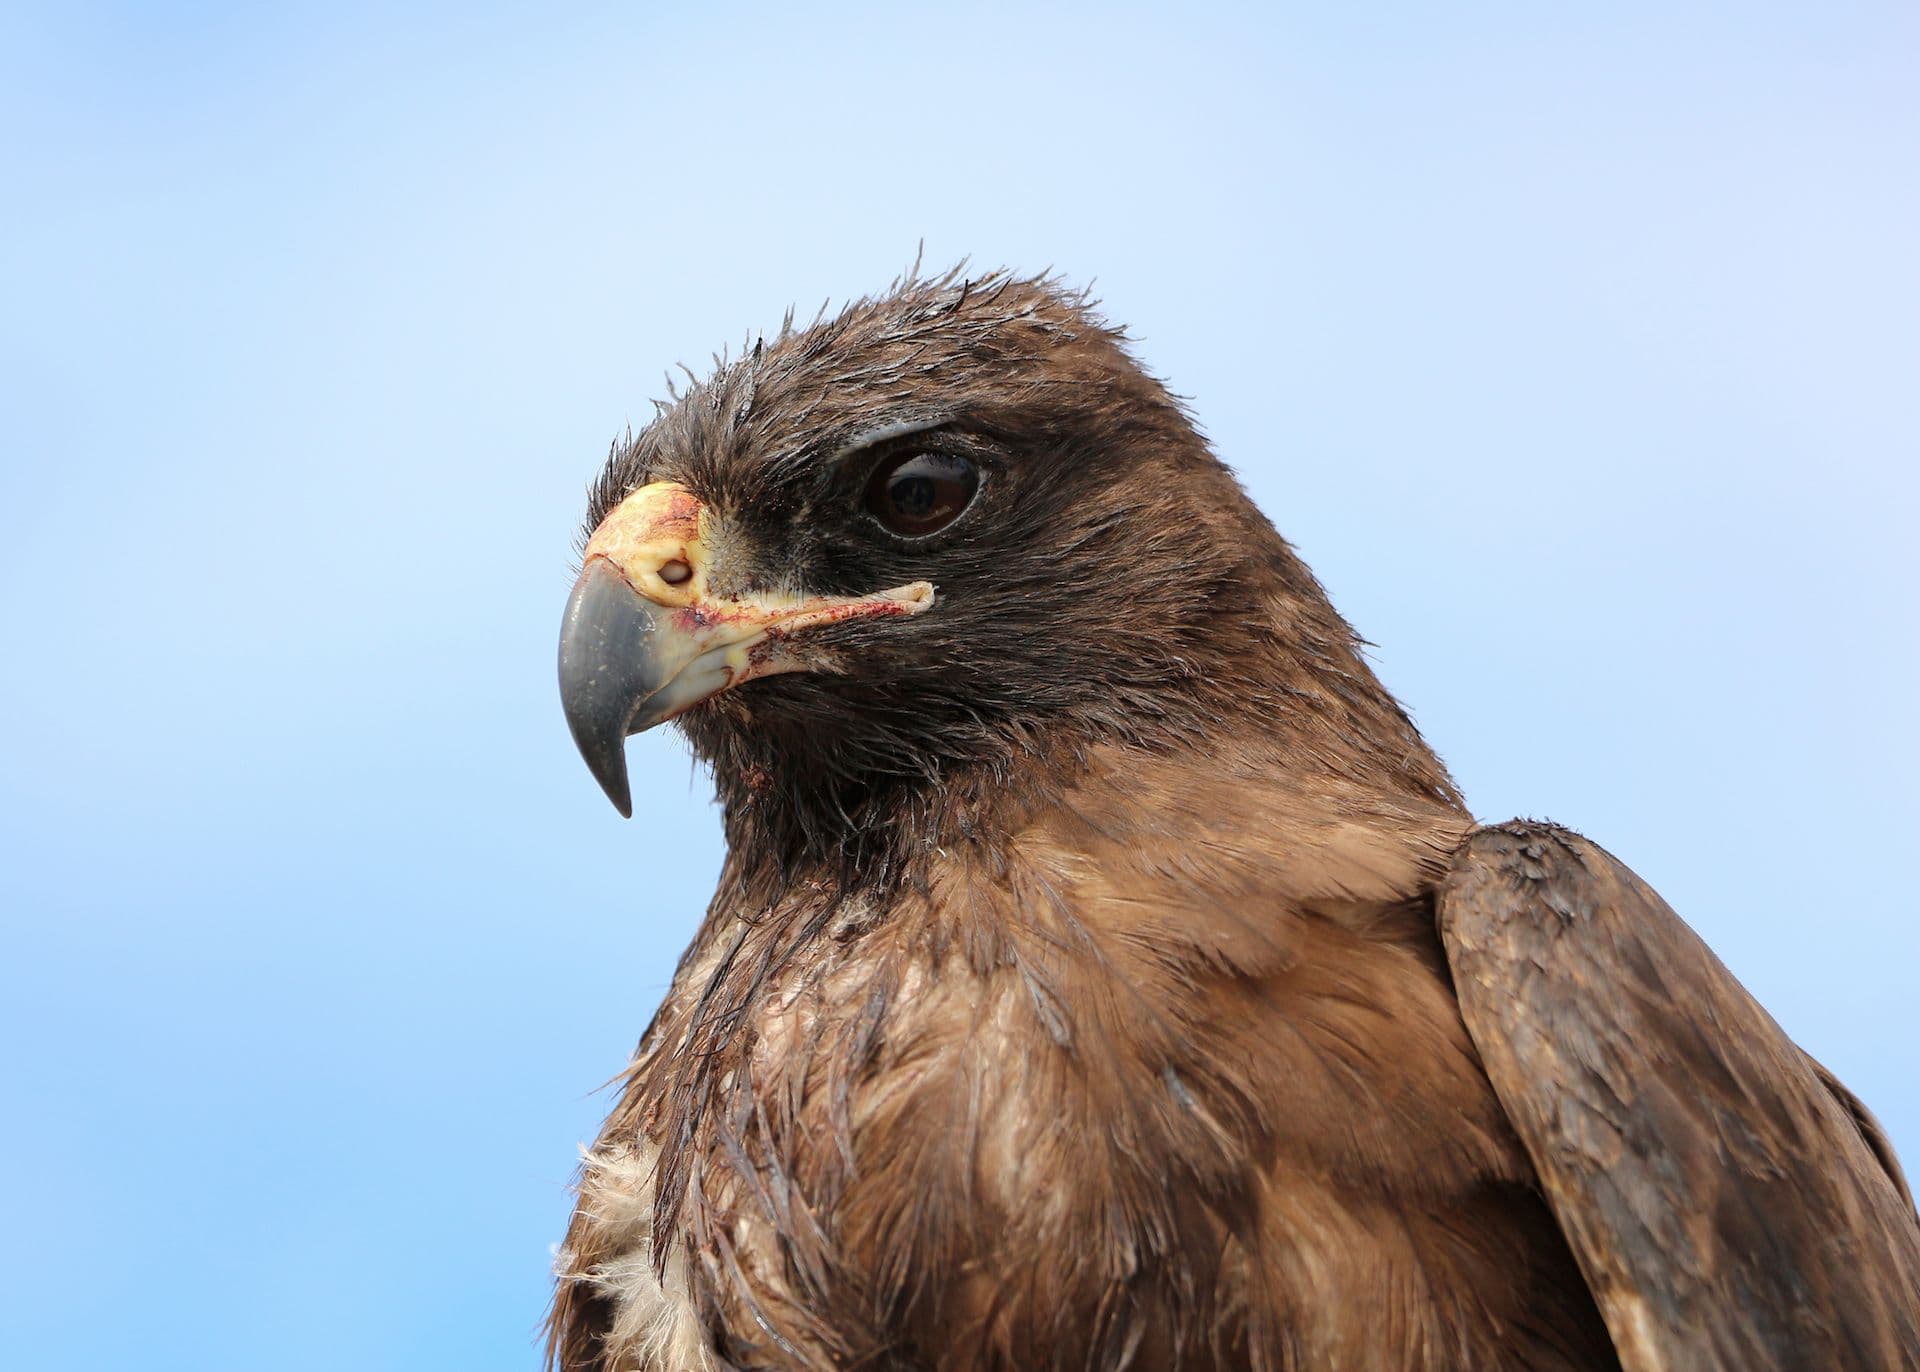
[{"x": 644, "y": 640}]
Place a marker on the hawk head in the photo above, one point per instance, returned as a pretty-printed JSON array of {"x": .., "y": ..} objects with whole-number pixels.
[{"x": 952, "y": 527}]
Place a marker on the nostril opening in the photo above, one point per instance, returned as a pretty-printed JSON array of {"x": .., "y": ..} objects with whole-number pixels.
[{"x": 675, "y": 572}]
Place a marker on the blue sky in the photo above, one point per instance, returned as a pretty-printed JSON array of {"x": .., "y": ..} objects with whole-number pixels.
[{"x": 1576, "y": 350}]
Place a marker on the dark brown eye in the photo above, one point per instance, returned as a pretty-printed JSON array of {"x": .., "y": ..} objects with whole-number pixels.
[{"x": 917, "y": 494}]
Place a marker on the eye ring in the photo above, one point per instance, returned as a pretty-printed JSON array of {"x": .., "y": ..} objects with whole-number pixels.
[{"x": 918, "y": 493}]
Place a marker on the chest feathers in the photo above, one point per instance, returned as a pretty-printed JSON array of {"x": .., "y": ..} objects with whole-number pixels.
[{"x": 1130, "y": 1087}]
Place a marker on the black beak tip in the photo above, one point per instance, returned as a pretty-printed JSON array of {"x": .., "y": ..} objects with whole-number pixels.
[
  {"x": 607, "y": 669},
  {"x": 605, "y": 752},
  {"x": 619, "y": 793},
  {"x": 607, "y": 760}
]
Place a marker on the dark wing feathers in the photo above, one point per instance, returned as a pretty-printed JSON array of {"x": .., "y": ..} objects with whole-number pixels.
[
  {"x": 1731, "y": 1205},
  {"x": 1868, "y": 1126}
]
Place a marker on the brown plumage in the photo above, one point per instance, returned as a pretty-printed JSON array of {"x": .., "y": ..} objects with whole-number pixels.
[{"x": 1104, "y": 973}]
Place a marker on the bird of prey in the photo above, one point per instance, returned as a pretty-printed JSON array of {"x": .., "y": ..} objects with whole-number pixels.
[{"x": 1104, "y": 973}]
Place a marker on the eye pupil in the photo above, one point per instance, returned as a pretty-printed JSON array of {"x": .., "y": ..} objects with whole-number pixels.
[
  {"x": 913, "y": 496},
  {"x": 921, "y": 493}
]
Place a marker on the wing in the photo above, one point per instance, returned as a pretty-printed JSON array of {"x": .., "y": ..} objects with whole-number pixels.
[{"x": 1731, "y": 1205}]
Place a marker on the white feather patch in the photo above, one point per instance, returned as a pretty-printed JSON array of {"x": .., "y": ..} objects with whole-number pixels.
[{"x": 655, "y": 1325}]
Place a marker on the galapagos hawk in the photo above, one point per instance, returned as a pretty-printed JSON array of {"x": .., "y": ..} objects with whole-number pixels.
[{"x": 1104, "y": 973}]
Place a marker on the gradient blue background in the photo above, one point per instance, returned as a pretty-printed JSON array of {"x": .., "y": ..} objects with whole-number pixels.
[{"x": 1578, "y": 353}]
